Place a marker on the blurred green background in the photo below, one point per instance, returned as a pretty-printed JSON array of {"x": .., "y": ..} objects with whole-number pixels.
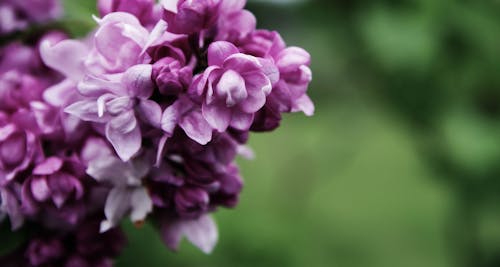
[{"x": 400, "y": 166}]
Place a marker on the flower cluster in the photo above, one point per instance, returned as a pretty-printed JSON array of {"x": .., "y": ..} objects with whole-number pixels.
[{"x": 142, "y": 119}]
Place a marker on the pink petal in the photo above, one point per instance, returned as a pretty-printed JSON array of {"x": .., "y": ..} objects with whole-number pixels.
[
  {"x": 241, "y": 120},
  {"x": 66, "y": 57},
  {"x": 138, "y": 81},
  {"x": 232, "y": 86},
  {"x": 150, "y": 112},
  {"x": 217, "y": 115},
  {"x": 86, "y": 110},
  {"x": 219, "y": 51},
  {"x": 49, "y": 166},
  {"x": 196, "y": 127},
  {"x": 40, "y": 189},
  {"x": 291, "y": 58},
  {"x": 304, "y": 104}
]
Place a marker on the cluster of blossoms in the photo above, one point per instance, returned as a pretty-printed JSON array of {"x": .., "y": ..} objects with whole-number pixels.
[{"x": 141, "y": 119}]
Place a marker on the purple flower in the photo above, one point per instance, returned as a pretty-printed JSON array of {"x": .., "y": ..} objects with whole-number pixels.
[
  {"x": 119, "y": 104},
  {"x": 290, "y": 92},
  {"x": 233, "y": 87},
  {"x": 55, "y": 191},
  {"x": 120, "y": 42},
  {"x": 190, "y": 16},
  {"x": 18, "y": 147},
  {"x": 115, "y": 86},
  {"x": 17, "y": 15},
  {"x": 171, "y": 71}
]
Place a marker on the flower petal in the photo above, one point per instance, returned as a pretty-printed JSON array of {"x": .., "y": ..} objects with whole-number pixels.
[
  {"x": 86, "y": 110},
  {"x": 150, "y": 112},
  {"x": 141, "y": 204},
  {"x": 219, "y": 51},
  {"x": 117, "y": 205},
  {"x": 125, "y": 135},
  {"x": 138, "y": 81},
  {"x": 232, "y": 86},
  {"x": 202, "y": 233},
  {"x": 217, "y": 115},
  {"x": 66, "y": 57},
  {"x": 49, "y": 166},
  {"x": 241, "y": 120},
  {"x": 196, "y": 127}
]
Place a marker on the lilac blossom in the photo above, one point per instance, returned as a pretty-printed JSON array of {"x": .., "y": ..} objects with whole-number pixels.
[{"x": 233, "y": 87}]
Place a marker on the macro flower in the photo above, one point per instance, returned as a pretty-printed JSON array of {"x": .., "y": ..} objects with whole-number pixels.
[
  {"x": 290, "y": 92},
  {"x": 233, "y": 87}
]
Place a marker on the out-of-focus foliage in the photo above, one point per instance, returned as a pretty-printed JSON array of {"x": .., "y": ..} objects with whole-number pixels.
[{"x": 401, "y": 164}]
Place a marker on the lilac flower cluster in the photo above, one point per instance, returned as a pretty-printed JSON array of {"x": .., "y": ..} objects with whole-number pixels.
[{"x": 142, "y": 119}]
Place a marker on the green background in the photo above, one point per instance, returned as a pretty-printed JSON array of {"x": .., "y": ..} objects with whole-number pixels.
[{"x": 399, "y": 165}]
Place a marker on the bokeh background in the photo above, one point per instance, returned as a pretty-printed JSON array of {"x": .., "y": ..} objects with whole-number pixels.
[{"x": 400, "y": 166}]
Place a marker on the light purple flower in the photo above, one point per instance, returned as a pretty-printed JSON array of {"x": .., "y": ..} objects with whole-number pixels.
[
  {"x": 128, "y": 195},
  {"x": 233, "y": 87},
  {"x": 110, "y": 76}
]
